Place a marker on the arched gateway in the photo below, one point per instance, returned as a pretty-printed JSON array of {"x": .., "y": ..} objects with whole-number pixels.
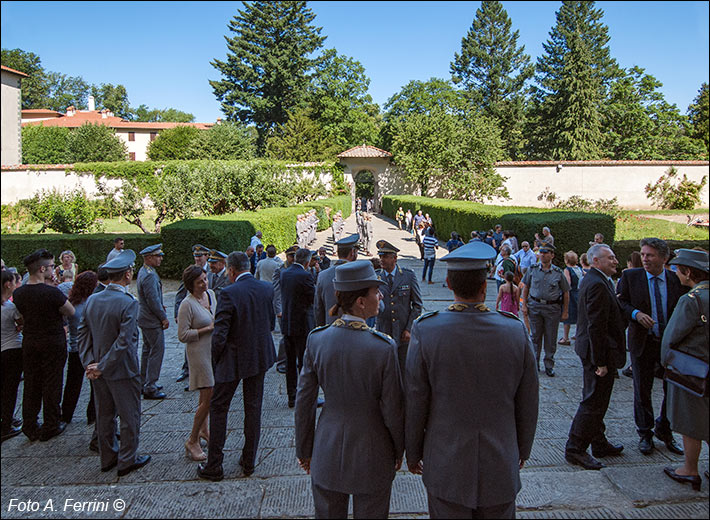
[{"x": 366, "y": 167}]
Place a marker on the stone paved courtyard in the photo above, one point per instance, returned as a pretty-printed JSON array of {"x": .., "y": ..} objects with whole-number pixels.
[{"x": 43, "y": 476}]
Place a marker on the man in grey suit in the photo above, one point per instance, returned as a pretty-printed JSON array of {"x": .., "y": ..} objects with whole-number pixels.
[
  {"x": 218, "y": 266},
  {"x": 242, "y": 349},
  {"x": 402, "y": 299},
  {"x": 153, "y": 320},
  {"x": 325, "y": 293},
  {"x": 276, "y": 282},
  {"x": 460, "y": 366},
  {"x": 108, "y": 347}
]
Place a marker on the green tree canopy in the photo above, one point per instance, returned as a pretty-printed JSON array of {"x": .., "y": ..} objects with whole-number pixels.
[
  {"x": 493, "y": 70},
  {"x": 300, "y": 139},
  {"x": 698, "y": 112},
  {"x": 173, "y": 143},
  {"x": 95, "y": 143},
  {"x": 340, "y": 102},
  {"x": 112, "y": 97},
  {"x": 266, "y": 73},
  {"x": 34, "y": 88},
  {"x": 45, "y": 144},
  {"x": 157, "y": 115},
  {"x": 227, "y": 140}
]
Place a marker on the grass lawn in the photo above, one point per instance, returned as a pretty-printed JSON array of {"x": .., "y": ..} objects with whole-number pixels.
[
  {"x": 636, "y": 227},
  {"x": 113, "y": 225}
]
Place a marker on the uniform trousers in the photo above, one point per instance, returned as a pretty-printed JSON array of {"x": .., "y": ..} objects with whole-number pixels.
[
  {"x": 333, "y": 504},
  {"x": 11, "y": 375},
  {"x": 545, "y": 324},
  {"x": 122, "y": 398},
  {"x": 440, "y": 508},
  {"x": 72, "y": 386},
  {"x": 588, "y": 424},
  {"x": 43, "y": 363},
  {"x": 281, "y": 354},
  {"x": 222, "y": 394},
  {"x": 152, "y": 357},
  {"x": 645, "y": 368},
  {"x": 295, "y": 347}
]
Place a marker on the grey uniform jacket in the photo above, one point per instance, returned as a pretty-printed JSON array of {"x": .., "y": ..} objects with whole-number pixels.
[
  {"x": 219, "y": 282},
  {"x": 472, "y": 403},
  {"x": 150, "y": 297},
  {"x": 360, "y": 432},
  {"x": 402, "y": 305},
  {"x": 325, "y": 294},
  {"x": 108, "y": 334}
]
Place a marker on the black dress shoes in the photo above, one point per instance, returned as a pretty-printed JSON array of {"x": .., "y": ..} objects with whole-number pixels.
[
  {"x": 646, "y": 445},
  {"x": 627, "y": 371},
  {"x": 291, "y": 402},
  {"x": 141, "y": 460},
  {"x": 693, "y": 480},
  {"x": 550, "y": 372},
  {"x": 671, "y": 444},
  {"x": 10, "y": 433},
  {"x": 281, "y": 369},
  {"x": 583, "y": 459},
  {"x": 215, "y": 476},
  {"x": 108, "y": 468},
  {"x": 321, "y": 402},
  {"x": 247, "y": 470},
  {"x": 609, "y": 450},
  {"x": 16, "y": 422},
  {"x": 155, "y": 395},
  {"x": 185, "y": 374},
  {"x": 45, "y": 435}
]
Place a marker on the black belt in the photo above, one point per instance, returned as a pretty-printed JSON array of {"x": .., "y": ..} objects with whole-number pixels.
[{"x": 546, "y": 302}]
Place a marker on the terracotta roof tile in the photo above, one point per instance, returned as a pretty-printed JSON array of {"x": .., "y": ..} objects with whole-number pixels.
[
  {"x": 600, "y": 163},
  {"x": 364, "y": 151},
  {"x": 8, "y": 69},
  {"x": 80, "y": 117}
]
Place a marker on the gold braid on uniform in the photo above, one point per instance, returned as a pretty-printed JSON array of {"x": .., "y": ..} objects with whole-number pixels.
[
  {"x": 356, "y": 325},
  {"x": 459, "y": 307}
]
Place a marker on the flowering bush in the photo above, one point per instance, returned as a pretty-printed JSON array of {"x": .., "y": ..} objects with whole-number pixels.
[{"x": 671, "y": 193}]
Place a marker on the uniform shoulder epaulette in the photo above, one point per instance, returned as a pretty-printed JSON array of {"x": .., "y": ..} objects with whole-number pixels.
[
  {"x": 426, "y": 315},
  {"x": 381, "y": 335},
  {"x": 509, "y": 314},
  {"x": 555, "y": 268},
  {"x": 317, "y": 329},
  {"x": 407, "y": 270}
]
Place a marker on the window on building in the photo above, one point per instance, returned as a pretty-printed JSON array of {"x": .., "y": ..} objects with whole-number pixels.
[
  {"x": 131, "y": 136},
  {"x": 153, "y": 135},
  {"x": 131, "y": 156}
]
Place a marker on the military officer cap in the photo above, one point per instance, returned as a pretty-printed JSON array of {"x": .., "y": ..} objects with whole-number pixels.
[
  {"x": 216, "y": 256},
  {"x": 199, "y": 250},
  {"x": 470, "y": 257},
  {"x": 356, "y": 275},
  {"x": 349, "y": 241},
  {"x": 121, "y": 262},
  {"x": 152, "y": 250},
  {"x": 692, "y": 258},
  {"x": 548, "y": 247},
  {"x": 384, "y": 247},
  {"x": 292, "y": 250}
]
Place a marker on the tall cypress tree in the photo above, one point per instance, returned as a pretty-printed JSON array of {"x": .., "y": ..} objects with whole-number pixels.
[
  {"x": 268, "y": 66},
  {"x": 573, "y": 76},
  {"x": 492, "y": 70}
]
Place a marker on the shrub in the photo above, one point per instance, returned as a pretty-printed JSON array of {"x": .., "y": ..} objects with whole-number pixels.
[
  {"x": 64, "y": 212},
  {"x": 671, "y": 193},
  {"x": 96, "y": 142},
  {"x": 45, "y": 144},
  {"x": 572, "y": 230},
  {"x": 577, "y": 203},
  {"x": 173, "y": 143}
]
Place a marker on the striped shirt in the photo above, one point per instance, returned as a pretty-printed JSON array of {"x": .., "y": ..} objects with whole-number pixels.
[{"x": 429, "y": 242}]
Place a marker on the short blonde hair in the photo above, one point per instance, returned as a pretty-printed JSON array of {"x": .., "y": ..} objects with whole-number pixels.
[
  {"x": 571, "y": 258},
  {"x": 68, "y": 252}
]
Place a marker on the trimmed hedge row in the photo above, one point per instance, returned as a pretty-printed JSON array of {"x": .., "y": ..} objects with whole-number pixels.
[
  {"x": 231, "y": 232},
  {"x": 90, "y": 249},
  {"x": 572, "y": 230}
]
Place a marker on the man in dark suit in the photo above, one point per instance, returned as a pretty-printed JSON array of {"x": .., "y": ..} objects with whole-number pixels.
[
  {"x": 297, "y": 291},
  {"x": 648, "y": 296},
  {"x": 242, "y": 349},
  {"x": 601, "y": 346}
]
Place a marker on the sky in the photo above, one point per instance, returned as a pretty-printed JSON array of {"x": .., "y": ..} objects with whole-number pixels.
[{"x": 161, "y": 51}]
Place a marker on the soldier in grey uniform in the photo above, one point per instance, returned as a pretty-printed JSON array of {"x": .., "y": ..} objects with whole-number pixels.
[
  {"x": 472, "y": 397},
  {"x": 325, "y": 292},
  {"x": 218, "y": 266},
  {"x": 546, "y": 303},
  {"x": 153, "y": 320},
  {"x": 358, "y": 444},
  {"x": 200, "y": 254},
  {"x": 108, "y": 347},
  {"x": 276, "y": 281},
  {"x": 369, "y": 233},
  {"x": 401, "y": 296}
]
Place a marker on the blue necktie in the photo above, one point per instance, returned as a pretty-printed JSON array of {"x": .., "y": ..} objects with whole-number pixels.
[{"x": 659, "y": 306}]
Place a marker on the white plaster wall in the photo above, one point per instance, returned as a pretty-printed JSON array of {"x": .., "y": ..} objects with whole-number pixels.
[
  {"x": 23, "y": 184},
  {"x": 11, "y": 147},
  {"x": 139, "y": 146}
]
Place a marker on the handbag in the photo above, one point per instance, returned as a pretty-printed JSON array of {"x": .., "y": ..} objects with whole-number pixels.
[{"x": 688, "y": 372}]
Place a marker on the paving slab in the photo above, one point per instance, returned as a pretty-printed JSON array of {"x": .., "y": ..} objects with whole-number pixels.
[{"x": 647, "y": 485}]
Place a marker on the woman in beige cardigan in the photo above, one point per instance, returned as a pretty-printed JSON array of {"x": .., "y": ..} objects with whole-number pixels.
[{"x": 195, "y": 326}]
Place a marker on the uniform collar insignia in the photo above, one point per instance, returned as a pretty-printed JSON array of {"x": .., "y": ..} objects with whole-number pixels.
[
  {"x": 460, "y": 307},
  {"x": 355, "y": 325}
]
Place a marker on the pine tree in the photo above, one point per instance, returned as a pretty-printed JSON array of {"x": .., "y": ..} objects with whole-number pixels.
[
  {"x": 492, "y": 70},
  {"x": 266, "y": 73},
  {"x": 698, "y": 113},
  {"x": 573, "y": 76}
]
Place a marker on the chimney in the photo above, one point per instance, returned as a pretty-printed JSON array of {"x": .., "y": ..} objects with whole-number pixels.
[
  {"x": 71, "y": 111},
  {"x": 219, "y": 120},
  {"x": 92, "y": 104},
  {"x": 104, "y": 113}
]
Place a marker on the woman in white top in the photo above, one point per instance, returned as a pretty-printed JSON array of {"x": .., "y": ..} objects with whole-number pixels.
[
  {"x": 195, "y": 326},
  {"x": 67, "y": 263}
]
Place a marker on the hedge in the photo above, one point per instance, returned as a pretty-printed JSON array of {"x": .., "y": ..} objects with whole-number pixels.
[
  {"x": 90, "y": 249},
  {"x": 572, "y": 230}
]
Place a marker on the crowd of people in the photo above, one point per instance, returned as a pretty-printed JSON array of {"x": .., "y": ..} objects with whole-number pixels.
[{"x": 399, "y": 391}]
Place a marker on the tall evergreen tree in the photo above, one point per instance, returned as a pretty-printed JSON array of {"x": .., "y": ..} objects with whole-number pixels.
[
  {"x": 573, "y": 76},
  {"x": 266, "y": 73},
  {"x": 492, "y": 70},
  {"x": 698, "y": 113}
]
